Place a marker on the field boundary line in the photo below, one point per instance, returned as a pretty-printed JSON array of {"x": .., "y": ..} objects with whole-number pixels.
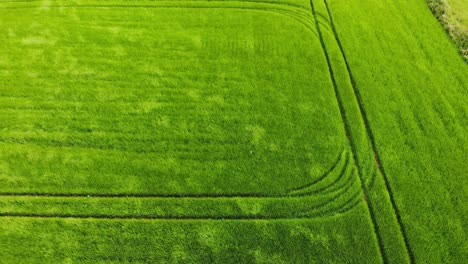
[
  {"x": 295, "y": 13},
  {"x": 172, "y": 196},
  {"x": 347, "y": 129},
  {"x": 344, "y": 210},
  {"x": 288, "y": 193},
  {"x": 347, "y": 206},
  {"x": 180, "y": 1},
  {"x": 341, "y": 199},
  {"x": 372, "y": 139}
]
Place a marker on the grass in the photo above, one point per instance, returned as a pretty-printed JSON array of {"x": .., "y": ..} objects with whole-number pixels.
[
  {"x": 125, "y": 110},
  {"x": 452, "y": 15},
  {"x": 280, "y": 131},
  {"x": 416, "y": 116}
]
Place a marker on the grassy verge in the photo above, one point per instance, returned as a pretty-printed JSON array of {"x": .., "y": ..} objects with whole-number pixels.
[{"x": 450, "y": 15}]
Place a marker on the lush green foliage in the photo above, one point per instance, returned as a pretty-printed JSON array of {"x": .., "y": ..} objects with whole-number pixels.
[
  {"x": 453, "y": 16},
  {"x": 254, "y": 131}
]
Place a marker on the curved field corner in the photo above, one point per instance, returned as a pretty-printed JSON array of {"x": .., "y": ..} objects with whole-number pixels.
[{"x": 231, "y": 131}]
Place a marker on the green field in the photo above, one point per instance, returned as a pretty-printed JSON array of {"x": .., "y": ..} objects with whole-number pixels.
[{"x": 231, "y": 131}]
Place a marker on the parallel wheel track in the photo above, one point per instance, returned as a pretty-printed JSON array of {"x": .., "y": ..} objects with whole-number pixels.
[
  {"x": 372, "y": 138},
  {"x": 347, "y": 128}
]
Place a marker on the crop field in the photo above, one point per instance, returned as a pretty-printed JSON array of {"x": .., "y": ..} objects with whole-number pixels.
[{"x": 231, "y": 131}]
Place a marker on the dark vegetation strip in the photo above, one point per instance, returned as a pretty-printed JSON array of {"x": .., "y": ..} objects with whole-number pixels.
[
  {"x": 372, "y": 139},
  {"x": 347, "y": 128}
]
